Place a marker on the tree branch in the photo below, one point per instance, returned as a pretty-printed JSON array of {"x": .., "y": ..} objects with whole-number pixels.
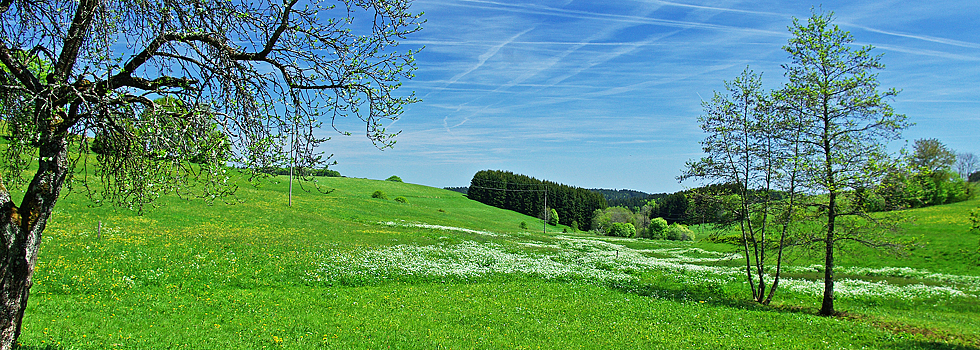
[
  {"x": 18, "y": 69},
  {"x": 73, "y": 41}
]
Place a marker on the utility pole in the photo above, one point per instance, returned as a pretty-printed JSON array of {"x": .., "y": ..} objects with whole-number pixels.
[
  {"x": 292, "y": 162},
  {"x": 546, "y": 211}
]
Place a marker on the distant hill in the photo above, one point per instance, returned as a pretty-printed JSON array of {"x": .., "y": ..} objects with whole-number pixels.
[{"x": 627, "y": 198}]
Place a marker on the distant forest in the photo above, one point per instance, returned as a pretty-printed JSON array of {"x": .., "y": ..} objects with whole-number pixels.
[
  {"x": 524, "y": 194},
  {"x": 614, "y": 198},
  {"x": 463, "y": 190},
  {"x": 628, "y": 198}
]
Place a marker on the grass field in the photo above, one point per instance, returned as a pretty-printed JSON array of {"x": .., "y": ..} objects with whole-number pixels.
[{"x": 344, "y": 270}]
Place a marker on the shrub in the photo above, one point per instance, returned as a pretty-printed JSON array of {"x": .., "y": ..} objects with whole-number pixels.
[
  {"x": 975, "y": 218},
  {"x": 622, "y": 229},
  {"x": 574, "y": 226},
  {"x": 379, "y": 194},
  {"x": 394, "y": 178},
  {"x": 401, "y": 199},
  {"x": 678, "y": 232},
  {"x": 657, "y": 229},
  {"x": 524, "y": 225},
  {"x": 974, "y": 177}
]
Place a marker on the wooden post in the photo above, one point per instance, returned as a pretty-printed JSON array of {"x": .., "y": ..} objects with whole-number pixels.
[{"x": 98, "y": 234}]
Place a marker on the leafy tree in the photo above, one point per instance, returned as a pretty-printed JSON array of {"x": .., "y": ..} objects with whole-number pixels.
[
  {"x": 259, "y": 74},
  {"x": 553, "y": 217},
  {"x": 657, "y": 228},
  {"x": 833, "y": 87},
  {"x": 679, "y": 232},
  {"x": 975, "y": 177},
  {"x": 932, "y": 155},
  {"x": 394, "y": 178},
  {"x": 622, "y": 229},
  {"x": 748, "y": 147}
]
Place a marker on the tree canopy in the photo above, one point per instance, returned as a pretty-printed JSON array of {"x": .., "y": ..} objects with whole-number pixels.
[
  {"x": 932, "y": 155},
  {"x": 847, "y": 120},
  {"x": 167, "y": 93}
]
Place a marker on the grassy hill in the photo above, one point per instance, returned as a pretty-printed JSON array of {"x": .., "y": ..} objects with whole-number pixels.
[{"x": 344, "y": 270}]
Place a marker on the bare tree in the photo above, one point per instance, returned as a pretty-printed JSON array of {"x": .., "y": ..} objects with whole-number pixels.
[
  {"x": 88, "y": 75},
  {"x": 966, "y": 164}
]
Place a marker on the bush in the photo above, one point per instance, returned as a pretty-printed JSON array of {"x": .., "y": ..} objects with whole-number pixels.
[
  {"x": 524, "y": 225},
  {"x": 974, "y": 177},
  {"x": 394, "y": 178},
  {"x": 975, "y": 218},
  {"x": 379, "y": 194},
  {"x": 574, "y": 226},
  {"x": 657, "y": 229},
  {"x": 621, "y": 229},
  {"x": 678, "y": 232},
  {"x": 401, "y": 199}
]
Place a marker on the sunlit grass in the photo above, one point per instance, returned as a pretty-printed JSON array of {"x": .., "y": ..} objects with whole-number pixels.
[{"x": 344, "y": 270}]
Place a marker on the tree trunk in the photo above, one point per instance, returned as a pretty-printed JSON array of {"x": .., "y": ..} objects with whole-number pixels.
[
  {"x": 827, "y": 306},
  {"x": 21, "y": 229}
]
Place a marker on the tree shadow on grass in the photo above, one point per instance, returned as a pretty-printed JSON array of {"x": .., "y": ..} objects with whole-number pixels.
[
  {"x": 38, "y": 347},
  {"x": 930, "y": 345},
  {"x": 726, "y": 296}
]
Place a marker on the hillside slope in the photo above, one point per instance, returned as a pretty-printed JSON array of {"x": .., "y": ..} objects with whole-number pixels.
[{"x": 344, "y": 270}]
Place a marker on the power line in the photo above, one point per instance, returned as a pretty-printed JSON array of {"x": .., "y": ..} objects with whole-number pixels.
[{"x": 506, "y": 189}]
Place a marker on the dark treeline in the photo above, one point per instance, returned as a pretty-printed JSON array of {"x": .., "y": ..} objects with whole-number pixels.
[
  {"x": 628, "y": 198},
  {"x": 463, "y": 190},
  {"x": 300, "y": 171},
  {"x": 526, "y": 195}
]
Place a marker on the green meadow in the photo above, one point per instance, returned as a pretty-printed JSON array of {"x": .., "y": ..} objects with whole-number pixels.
[{"x": 343, "y": 270}]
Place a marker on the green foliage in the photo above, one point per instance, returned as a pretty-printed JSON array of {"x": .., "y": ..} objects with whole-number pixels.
[
  {"x": 679, "y": 232},
  {"x": 621, "y": 229},
  {"x": 574, "y": 226},
  {"x": 924, "y": 188},
  {"x": 602, "y": 220},
  {"x": 379, "y": 194},
  {"x": 553, "y": 217},
  {"x": 657, "y": 228},
  {"x": 523, "y": 225},
  {"x": 401, "y": 199},
  {"x": 975, "y": 177},
  {"x": 394, "y": 178}
]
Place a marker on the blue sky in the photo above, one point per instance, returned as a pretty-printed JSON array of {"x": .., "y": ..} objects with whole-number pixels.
[{"x": 606, "y": 94}]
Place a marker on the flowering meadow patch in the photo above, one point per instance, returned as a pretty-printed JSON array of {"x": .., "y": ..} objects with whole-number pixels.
[{"x": 597, "y": 260}]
